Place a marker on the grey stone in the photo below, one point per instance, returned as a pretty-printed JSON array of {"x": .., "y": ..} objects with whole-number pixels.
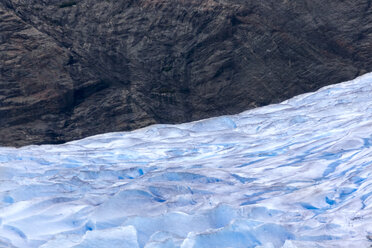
[{"x": 78, "y": 68}]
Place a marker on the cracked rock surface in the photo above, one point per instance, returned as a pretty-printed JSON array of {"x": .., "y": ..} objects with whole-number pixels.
[{"x": 71, "y": 69}]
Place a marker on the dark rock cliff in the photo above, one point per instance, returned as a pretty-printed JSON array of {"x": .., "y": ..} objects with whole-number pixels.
[{"x": 71, "y": 69}]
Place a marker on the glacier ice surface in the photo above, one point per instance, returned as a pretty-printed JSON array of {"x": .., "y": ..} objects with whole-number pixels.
[{"x": 294, "y": 174}]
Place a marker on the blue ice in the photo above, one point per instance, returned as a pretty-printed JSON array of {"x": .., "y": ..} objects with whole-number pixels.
[{"x": 293, "y": 174}]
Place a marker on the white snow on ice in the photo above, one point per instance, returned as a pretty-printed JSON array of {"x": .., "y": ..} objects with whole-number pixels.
[{"x": 294, "y": 174}]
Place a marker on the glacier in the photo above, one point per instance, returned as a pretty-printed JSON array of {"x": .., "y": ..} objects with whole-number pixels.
[{"x": 293, "y": 174}]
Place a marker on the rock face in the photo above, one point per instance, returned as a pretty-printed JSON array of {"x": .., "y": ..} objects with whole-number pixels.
[{"x": 81, "y": 67}]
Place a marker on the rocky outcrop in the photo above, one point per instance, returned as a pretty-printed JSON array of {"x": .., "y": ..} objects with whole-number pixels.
[{"x": 77, "y": 68}]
